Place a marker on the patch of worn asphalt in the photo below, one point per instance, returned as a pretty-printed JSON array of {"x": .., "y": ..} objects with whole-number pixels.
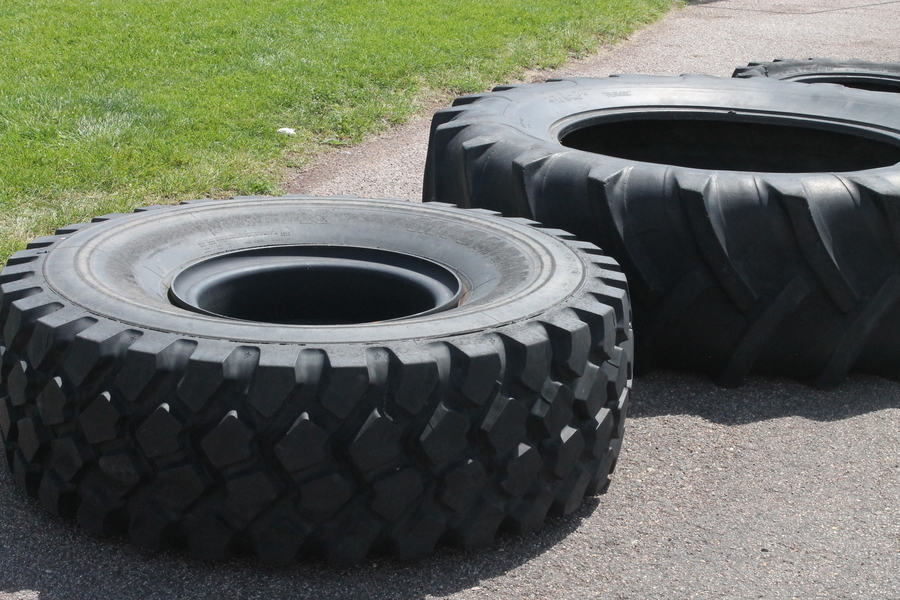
[{"x": 772, "y": 490}]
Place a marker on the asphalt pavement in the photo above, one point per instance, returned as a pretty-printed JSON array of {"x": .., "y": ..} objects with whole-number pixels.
[{"x": 772, "y": 490}]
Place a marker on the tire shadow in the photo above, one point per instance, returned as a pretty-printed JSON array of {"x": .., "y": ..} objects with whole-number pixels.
[
  {"x": 49, "y": 558},
  {"x": 759, "y": 399},
  {"x": 42, "y": 557}
]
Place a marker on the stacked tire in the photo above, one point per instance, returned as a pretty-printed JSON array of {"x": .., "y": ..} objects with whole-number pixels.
[{"x": 858, "y": 74}]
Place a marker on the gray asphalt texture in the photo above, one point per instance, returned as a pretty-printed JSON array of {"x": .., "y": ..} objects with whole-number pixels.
[{"x": 772, "y": 490}]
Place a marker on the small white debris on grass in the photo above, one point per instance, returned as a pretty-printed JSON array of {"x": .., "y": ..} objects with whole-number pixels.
[{"x": 287, "y": 131}]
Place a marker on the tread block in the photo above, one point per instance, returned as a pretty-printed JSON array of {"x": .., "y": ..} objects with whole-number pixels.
[
  {"x": 73, "y": 228},
  {"x": 602, "y": 321},
  {"x": 394, "y": 494},
  {"x": 617, "y": 378},
  {"x": 598, "y": 432},
  {"x": 346, "y": 381},
  {"x": 69, "y": 456},
  {"x": 19, "y": 319},
  {"x": 124, "y": 468},
  {"x": 460, "y": 487},
  {"x": 54, "y": 333},
  {"x": 214, "y": 366},
  {"x": 58, "y": 497},
  {"x": 149, "y": 528},
  {"x": 149, "y": 359},
  {"x": 13, "y": 291},
  {"x": 26, "y": 475},
  {"x": 95, "y": 349},
  {"x": 570, "y": 340},
  {"x": 250, "y": 494},
  {"x": 444, "y": 437},
  {"x": 504, "y": 424},
  {"x": 41, "y": 242},
  {"x": 414, "y": 378},
  {"x": 476, "y": 369},
  {"x": 417, "y": 536},
  {"x": 467, "y": 99},
  {"x": 570, "y": 494},
  {"x": 480, "y": 526},
  {"x": 274, "y": 381},
  {"x": 278, "y": 539},
  {"x": 159, "y": 434},
  {"x": 21, "y": 257},
  {"x": 21, "y": 384},
  {"x": 528, "y": 355},
  {"x": 589, "y": 391},
  {"x": 33, "y": 439},
  {"x": 529, "y": 513},
  {"x": 229, "y": 442},
  {"x": 177, "y": 488},
  {"x": 210, "y": 537},
  {"x": 100, "y": 421},
  {"x": 100, "y": 515},
  {"x": 51, "y": 403},
  {"x": 622, "y": 405},
  {"x": 350, "y": 543},
  {"x": 522, "y": 470},
  {"x": 322, "y": 497},
  {"x": 377, "y": 443},
  {"x": 600, "y": 473},
  {"x": 303, "y": 446},
  {"x": 552, "y": 411},
  {"x": 566, "y": 450},
  {"x": 9, "y": 429}
]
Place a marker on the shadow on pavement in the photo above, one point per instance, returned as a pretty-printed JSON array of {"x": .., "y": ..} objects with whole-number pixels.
[
  {"x": 759, "y": 399},
  {"x": 48, "y": 558}
]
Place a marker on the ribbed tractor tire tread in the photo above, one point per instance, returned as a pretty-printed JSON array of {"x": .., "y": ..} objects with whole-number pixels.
[
  {"x": 822, "y": 305},
  {"x": 281, "y": 451}
]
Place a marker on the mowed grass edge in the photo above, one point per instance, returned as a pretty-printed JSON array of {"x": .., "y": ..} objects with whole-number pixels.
[{"x": 111, "y": 104}]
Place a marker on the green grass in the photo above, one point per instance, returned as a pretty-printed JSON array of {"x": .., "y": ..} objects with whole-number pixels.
[{"x": 109, "y": 104}]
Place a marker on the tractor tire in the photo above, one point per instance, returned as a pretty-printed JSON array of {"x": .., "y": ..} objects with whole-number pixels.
[
  {"x": 858, "y": 74},
  {"x": 757, "y": 221},
  {"x": 290, "y": 376}
]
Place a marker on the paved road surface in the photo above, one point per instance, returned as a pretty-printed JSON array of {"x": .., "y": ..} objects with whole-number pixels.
[{"x": 770, "y": 491}]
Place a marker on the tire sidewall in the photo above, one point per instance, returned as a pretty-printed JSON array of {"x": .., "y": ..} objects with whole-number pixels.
[{"x": 121, "y": 269}]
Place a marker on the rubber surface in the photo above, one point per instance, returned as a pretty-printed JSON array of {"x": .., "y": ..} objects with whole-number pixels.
[
  {"x": 859, "y": 74},
  {"x": 135, "y": 416},
  {"x": 732, "y": 270}
]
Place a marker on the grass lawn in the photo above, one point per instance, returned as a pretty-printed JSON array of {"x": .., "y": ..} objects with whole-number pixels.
[{"x": 110, "y": 104}]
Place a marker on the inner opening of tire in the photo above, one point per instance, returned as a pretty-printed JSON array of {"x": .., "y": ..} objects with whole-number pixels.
[
  {"x": 859, "y": 82},
  {"x": 316, "y": 285},
  {"x": 730, "y": 142}
]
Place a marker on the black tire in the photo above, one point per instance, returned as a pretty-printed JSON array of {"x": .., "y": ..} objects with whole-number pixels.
[
  {"x": 858, "y": 74},
  {"x": 455, "y": 419},
  {"x": 757, "y": 221}
]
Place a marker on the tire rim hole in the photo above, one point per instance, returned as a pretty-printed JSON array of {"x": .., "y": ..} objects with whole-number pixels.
[
  {"x": 732, "y": 142},
  {"x": 316, "y": 285},
  {"x": 858, "y": 82}
]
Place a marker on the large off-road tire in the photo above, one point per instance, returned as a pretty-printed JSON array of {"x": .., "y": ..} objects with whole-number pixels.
[
  {"x": 758, "y": 221},
  {"x": 859, "y": 74},
  {"x": 326, "y": 375}
]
